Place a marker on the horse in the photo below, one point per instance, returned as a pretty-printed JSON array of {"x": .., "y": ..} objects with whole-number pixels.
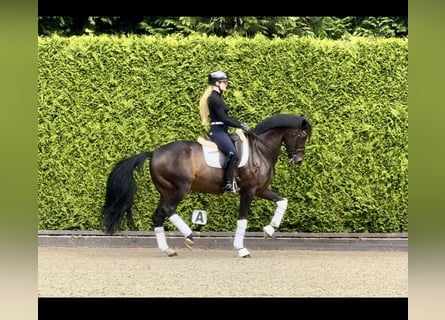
[{"x": 179, "y": 167}]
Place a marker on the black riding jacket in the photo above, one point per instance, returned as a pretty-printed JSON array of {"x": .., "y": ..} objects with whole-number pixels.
[{"x": 218, "y": 110}]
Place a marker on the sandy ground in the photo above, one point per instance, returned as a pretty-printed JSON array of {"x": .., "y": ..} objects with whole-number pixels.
[{"x": 147, "y": 272}]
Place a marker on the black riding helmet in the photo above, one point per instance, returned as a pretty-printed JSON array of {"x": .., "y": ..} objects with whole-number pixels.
[{"x": 217, "y": 76}]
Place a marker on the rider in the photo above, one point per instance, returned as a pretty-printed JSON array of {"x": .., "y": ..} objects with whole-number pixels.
[{"x": 212, "y": 105}]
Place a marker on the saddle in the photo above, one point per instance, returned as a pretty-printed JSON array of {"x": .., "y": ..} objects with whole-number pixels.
[{"x": 216, "y": 159}]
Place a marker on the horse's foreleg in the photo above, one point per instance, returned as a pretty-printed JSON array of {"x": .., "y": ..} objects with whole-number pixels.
[
  {"x": 238, "y": 243},
  {"x": 241, "y": 226},
  {"x": 276, "y": 219},
  {"x": 278, "y": 214}
]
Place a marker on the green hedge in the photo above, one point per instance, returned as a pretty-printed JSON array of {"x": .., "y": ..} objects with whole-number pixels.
[{"x": 104, "y": 98}]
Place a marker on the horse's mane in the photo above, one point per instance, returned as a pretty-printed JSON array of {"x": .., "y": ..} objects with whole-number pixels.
[{"x": 283, "y": 121}]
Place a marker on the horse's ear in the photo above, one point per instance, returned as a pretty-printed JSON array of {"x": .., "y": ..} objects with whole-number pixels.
[
  {"x": 306, "y": 124},
  {"x": 304, "y": 116}
]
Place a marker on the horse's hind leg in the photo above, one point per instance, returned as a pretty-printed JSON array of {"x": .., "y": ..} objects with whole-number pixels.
[
  {"x": 162, "y": 242},
  {"x": 158, "y": 221},
  {"x": 167, "y": 209},
  {"x": 278, "y": 214},
  {"x": 183, "y": 228}
]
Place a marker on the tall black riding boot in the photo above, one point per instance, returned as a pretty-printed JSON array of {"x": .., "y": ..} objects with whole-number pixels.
[{"x": 229, "y": 185}]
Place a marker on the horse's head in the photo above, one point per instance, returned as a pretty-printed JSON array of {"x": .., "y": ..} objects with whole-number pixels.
[
  {"x": 295, "y": 139},
  {"x": 293, "y": 131}
]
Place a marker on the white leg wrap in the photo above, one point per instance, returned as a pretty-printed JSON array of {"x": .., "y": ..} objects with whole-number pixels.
[
  {"x": 279, "y": 212},
  {"x": 243, "y": 252},
  {"x": 160, "y": 237},
  {"x": 180, "y": 224},
  {"x": 269, "y": 230},
  {"x": 241, "y": 226}
]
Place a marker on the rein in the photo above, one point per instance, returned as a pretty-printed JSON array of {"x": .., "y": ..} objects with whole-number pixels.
[{"x": 290, "y": 154}]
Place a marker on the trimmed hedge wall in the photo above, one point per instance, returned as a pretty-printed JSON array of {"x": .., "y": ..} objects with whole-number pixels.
[{"x": 104, "y": 98}]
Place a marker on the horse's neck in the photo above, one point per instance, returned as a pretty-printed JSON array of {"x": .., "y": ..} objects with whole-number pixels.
[{"x": 269, "y": 144}]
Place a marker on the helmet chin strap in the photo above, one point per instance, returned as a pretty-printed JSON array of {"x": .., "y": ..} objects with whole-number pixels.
[{"x": 219, "y": 87}]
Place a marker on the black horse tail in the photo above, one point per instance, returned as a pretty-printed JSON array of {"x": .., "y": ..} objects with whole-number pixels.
[{"x": 121, "y": 188}]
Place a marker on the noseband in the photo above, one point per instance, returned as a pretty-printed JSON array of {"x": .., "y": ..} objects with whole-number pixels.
[{"x": 292, "y": 154}]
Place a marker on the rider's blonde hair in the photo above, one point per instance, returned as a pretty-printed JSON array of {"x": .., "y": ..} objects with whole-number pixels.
[{"x": 204, "y": 106}]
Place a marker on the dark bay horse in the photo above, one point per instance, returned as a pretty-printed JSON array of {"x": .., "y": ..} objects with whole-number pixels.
[{"x": 179, "y": 167}]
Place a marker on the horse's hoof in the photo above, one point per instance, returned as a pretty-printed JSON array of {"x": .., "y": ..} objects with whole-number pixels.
[
  {"x": 268, "y": 231},
  {"x": 170, "y": 252},
  {"x": 267, "y": 236},
  {"x": 189, "y": 243},
  {"x": 244, "y": 253}
]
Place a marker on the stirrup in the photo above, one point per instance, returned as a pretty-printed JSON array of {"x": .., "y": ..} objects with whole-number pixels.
[{"x": 231, "y": 187}]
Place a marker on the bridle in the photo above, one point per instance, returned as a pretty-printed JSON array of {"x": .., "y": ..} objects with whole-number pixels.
[{"x": 291, "y": 154}]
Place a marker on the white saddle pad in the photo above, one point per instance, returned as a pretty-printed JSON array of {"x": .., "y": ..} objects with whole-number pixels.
[{"x": 216, "y": 159}]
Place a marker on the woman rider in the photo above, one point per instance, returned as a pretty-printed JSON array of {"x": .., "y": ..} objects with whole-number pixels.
[{"x": 212, "y": 105}]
